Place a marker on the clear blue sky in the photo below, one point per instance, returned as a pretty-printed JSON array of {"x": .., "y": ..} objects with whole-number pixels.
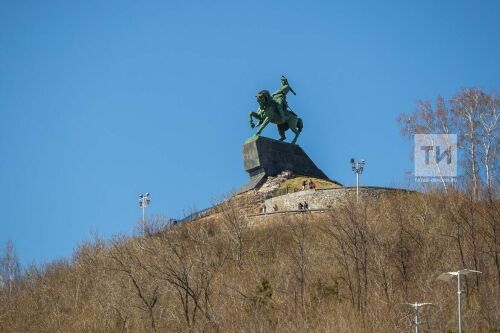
[{"x": 103, "y": 100}]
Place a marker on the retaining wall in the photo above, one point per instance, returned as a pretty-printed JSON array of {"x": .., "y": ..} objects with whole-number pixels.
[{"x": 324, "y": 198}]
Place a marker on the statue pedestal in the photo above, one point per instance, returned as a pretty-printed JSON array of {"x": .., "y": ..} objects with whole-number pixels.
[{"x": 264, "y": 157}]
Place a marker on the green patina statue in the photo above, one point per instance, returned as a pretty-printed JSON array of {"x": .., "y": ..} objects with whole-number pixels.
[{"x": 274, "y": 108}]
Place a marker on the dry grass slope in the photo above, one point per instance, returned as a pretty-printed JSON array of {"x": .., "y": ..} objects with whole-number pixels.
[
  {"x": 342, "y": 271},
  {"x": 295, "y": 183}
]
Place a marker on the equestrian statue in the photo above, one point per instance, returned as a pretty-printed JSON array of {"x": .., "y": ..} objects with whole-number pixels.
[{"x": 274, "y": 108}]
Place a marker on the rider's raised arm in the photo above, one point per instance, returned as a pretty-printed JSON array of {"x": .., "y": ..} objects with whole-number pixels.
[{"x": 283, "y": 90}]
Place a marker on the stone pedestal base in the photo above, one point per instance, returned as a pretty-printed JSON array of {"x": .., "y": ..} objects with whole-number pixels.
[{"x": 264, "y": 157}]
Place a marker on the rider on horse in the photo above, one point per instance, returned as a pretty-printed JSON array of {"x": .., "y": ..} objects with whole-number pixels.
[
  {"x": 280, "y": 96},
  {"x": 274, "y": 109}
]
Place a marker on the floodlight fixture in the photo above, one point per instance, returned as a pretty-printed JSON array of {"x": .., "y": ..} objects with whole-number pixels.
[
  {"x": 447, "y": 276},
  {"x": 416, "y": 306},
  {"x": 144, "y": 200}
]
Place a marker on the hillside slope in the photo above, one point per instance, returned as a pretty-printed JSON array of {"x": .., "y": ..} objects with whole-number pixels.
[{"x": 341, "y": 270}]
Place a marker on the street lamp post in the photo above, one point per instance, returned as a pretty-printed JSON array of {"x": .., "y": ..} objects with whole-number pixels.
[
  {"x": 357, "y": 168},
  {"x": 416, "y": 306},
  {"x": 144, "y": 200},
  {"x": 447, "y": 276}
]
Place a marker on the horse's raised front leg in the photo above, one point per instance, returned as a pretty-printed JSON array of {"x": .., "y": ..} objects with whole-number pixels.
[
  {"x": 251, "y": 116},
  {"x": 261, "y": 128}
]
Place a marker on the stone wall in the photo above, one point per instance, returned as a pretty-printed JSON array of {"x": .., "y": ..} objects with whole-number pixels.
[{"x": 323, "y": 198}]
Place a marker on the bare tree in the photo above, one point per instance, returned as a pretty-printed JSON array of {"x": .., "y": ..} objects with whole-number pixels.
[
  {"x": 299, "y": 256},
  {"x": 474, "y": 116},
  {"x": 236, "y": 224},
  {"x": 349, "y": 231},
  {"x": 143, "y": 285},
  {"x": 10, "y": 269}
]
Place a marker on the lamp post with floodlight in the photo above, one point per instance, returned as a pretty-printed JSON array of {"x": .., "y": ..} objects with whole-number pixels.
[
  {"x": 144, "y": 200},
  {"x": 357, "y": 168},
  {"x": 447, "y": 276},
  {"x": 416, "y": 306}
]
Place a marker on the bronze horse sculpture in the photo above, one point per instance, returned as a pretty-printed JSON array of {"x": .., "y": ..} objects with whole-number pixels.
[{"x": 270, "y": 111}]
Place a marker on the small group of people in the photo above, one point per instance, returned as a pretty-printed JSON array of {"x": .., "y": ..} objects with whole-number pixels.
[
  {"x": 303, "y": 206},
  {"x": 263, "y": 208},
  {"x": 312, "y": 185}
]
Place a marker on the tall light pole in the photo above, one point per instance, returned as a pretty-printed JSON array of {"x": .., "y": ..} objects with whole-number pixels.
[
  {"x": 416, "y": 306},
  {"x": 447, "y": 276},
  {"x": 143, "y": 203},
  {"x": 357, "y": 168}
]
